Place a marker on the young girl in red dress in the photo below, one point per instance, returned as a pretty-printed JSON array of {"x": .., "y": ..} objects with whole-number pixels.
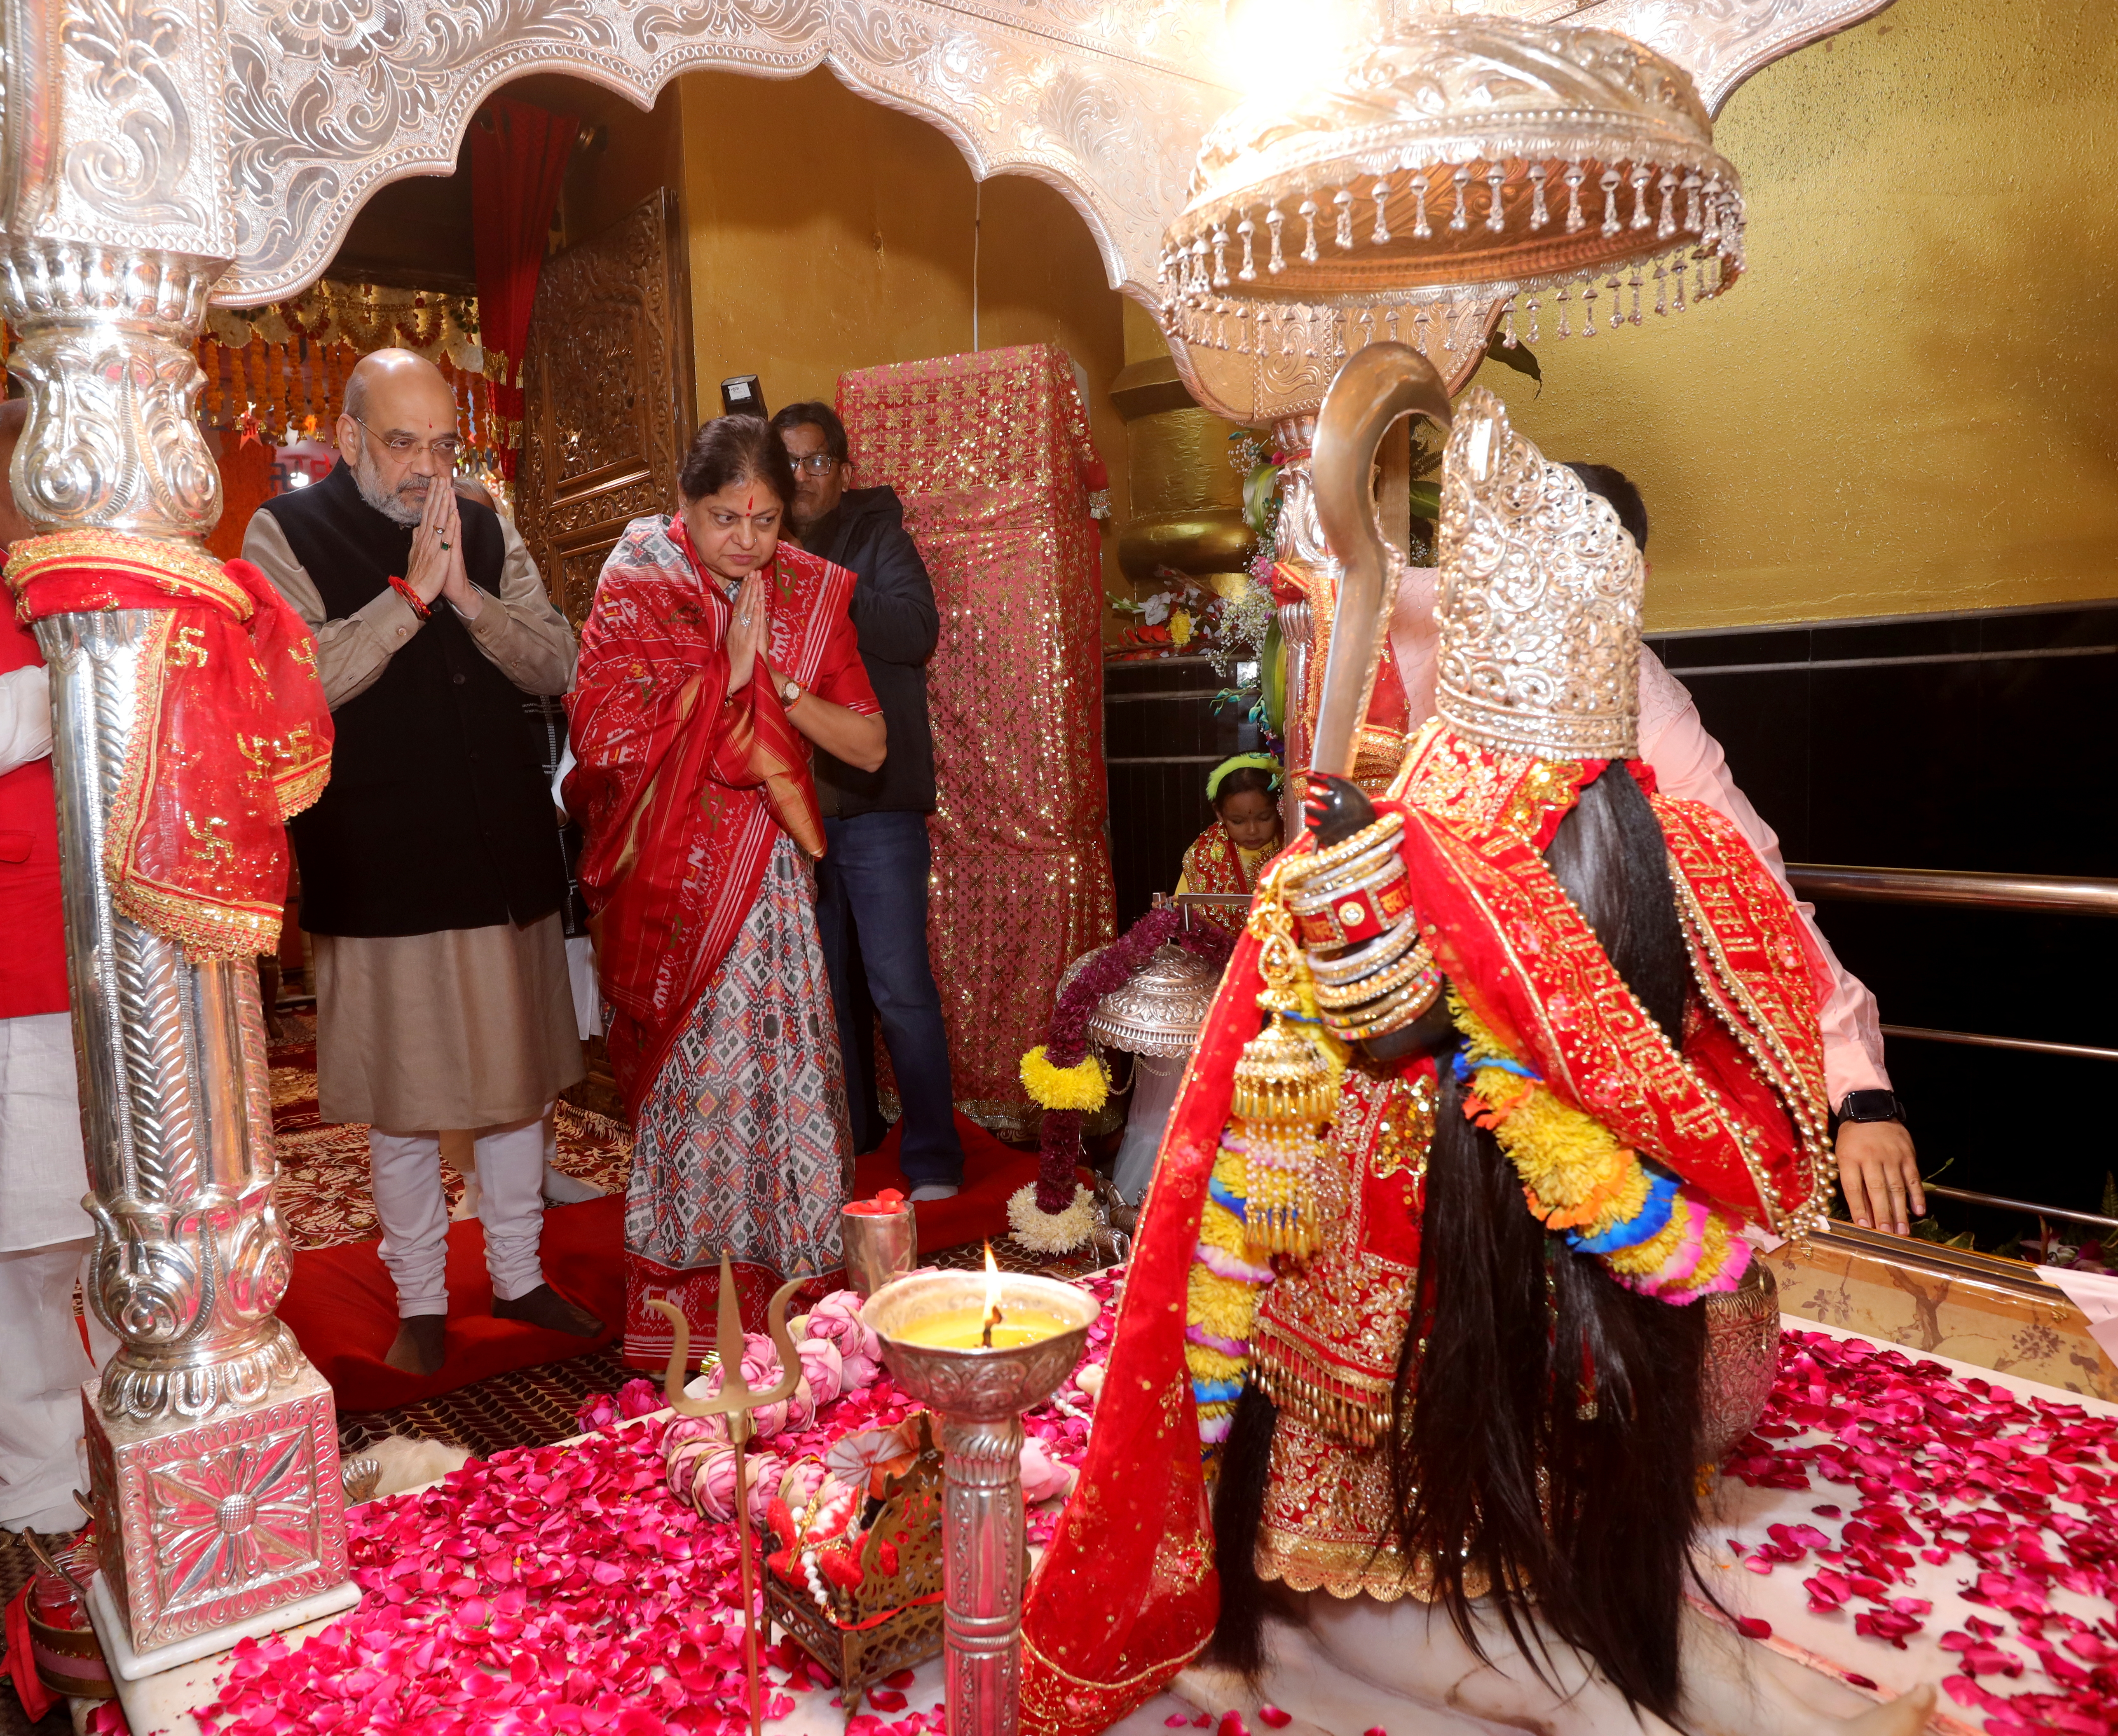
[{"x": 1244, "y": 836}]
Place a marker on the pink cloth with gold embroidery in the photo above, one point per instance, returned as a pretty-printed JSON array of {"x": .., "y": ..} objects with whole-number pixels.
[{"x": 990, "y": 455}]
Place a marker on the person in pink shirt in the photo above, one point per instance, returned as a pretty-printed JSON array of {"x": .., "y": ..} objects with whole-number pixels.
[{"x": 1878, "y": 1167}]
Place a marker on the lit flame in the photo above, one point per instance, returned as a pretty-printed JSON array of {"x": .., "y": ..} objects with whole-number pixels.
[{"x": 993, "y": 1297}]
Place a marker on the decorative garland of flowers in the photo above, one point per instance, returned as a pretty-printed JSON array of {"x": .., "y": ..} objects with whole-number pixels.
[
  {"x": 1656, "y": 1235},
  {"x": 1221, "y": 1295},
  {"x": 1056, "y": 1214}
]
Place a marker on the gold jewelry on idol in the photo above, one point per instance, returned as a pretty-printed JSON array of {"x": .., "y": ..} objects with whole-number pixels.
[
  {"x": 1344, "y": 998},
  {"x": 1397, "y": 1010},
  {"x": 1386, "y": 830},
  {"x": 1386, "y": 949},
  {"x": 1368, "y": 990},
  {"x": 1285, "y": 1091}
]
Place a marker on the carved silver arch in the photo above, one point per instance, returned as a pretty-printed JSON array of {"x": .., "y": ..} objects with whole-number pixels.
[
  {"x": 254, "y": 137},
  {"x": 328, "y": 98}
]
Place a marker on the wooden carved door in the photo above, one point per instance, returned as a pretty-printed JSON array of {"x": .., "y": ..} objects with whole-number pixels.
[{"x": 606, "y": 396}]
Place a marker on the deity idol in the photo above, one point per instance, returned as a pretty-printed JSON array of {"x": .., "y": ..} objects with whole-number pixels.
[{"x": 1404, "y": 1401}]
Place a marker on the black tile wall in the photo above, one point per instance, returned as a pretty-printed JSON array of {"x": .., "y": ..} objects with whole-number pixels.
[
  {"x": 1163, "y": 731},
  {"x": 1974, "y": 741}
]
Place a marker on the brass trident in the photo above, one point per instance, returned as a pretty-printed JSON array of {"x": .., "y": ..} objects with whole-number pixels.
[{"x": 735, "y": 1401}]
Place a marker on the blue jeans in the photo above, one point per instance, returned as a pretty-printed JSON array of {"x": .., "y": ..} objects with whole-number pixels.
[{"x": 871, "y": 914}]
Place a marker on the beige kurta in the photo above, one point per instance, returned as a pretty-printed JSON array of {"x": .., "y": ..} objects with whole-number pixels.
[{"x": 468, "y": 1027}]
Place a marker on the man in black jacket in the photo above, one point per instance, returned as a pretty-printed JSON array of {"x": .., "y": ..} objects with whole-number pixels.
[
  {"x": 431, "y": 872},
  {"x": 872, "y": 884}
]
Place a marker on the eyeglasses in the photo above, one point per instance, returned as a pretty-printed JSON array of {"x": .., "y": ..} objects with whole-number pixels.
[
  {"x": 448, "y": 448},
  {"x": 817, "y": 463}
]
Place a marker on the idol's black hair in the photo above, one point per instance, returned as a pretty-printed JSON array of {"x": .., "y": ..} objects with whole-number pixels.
[
  {"x": 1612, "y": 484},
  {"x": 736, "y": 449},
  {"x": 1544, "y": 1417}
]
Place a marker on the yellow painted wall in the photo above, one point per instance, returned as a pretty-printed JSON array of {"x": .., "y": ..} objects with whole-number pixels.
[
  {"x": 829, "y": 233},
  {"x": 1910, "y": 404}
]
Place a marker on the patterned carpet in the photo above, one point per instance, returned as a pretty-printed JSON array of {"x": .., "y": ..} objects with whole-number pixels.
[{"x": 525, "y": 1407}]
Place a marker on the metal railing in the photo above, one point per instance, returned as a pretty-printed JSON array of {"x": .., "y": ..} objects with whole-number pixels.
[
  {"x": 2055, "y": 895},
  {"x": 2072, "y": 895},
  {"x": 1972, "y": 1198},
  {"x": 2047, "y": 893}
]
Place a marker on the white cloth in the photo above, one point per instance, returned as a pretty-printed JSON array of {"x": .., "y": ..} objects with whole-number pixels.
[
  {"x": 43, "y": 1173},
  {"x": 1154, "y": 1082},
  {"x": 405, "y": 1170},
  {"x": 1688, "y": 763},
  {"x": 588, "y": 992},
  {"x": 25, "y": 716},
  {"x": 580, "y": 949},
  {"x": 42, "y": 1462}
]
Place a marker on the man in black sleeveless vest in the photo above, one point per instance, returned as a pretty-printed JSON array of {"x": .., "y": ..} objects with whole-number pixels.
[{"x": 431, "y": 876}]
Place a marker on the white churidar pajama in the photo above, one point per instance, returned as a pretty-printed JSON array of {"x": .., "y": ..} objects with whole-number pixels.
[{"x": 406, "y": 1169}]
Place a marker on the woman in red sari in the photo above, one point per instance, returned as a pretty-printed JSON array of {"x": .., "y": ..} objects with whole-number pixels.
[{"x": 714, "y": 656}]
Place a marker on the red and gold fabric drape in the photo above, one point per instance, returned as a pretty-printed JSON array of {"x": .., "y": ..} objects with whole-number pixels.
[
  {"x": 235, "y": 739},
  {"x": 992, "y": 457},
  {"x": 518, "y": 154}
]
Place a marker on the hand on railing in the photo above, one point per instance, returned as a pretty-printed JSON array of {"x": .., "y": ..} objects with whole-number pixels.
[{"x": 1879, "y": 1173}]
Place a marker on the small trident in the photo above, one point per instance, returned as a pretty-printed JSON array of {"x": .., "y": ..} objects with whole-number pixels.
[{"x": 735, "y": 1401}]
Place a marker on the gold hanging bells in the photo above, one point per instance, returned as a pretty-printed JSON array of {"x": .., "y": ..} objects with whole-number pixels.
[{"x": 1285, "y": 1091}]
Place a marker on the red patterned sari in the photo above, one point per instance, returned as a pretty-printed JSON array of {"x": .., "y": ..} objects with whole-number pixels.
[{"x": 700, "y": 820}]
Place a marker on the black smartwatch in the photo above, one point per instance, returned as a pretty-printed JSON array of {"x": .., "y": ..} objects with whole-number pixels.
[{"x": 1871, "y": 1106}]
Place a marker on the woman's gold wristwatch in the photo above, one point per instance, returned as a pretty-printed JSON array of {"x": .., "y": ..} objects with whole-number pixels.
[{"x": 790, "y": 690}]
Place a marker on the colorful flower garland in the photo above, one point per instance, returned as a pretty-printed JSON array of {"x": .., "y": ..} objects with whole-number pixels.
[
  {"x": 1656, "y": 1235},
  {"x": 1066, "y": 1080}
]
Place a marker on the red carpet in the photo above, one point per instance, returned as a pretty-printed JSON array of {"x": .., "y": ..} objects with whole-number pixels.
[
  {"x": 342, "y": 1308},
  {"x": 991, "y": 1172}
]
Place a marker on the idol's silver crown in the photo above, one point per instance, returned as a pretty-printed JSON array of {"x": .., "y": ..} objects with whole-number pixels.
[{"x": 1539, "y": 599}]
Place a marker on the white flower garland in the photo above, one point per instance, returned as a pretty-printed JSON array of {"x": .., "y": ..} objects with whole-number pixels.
[{"x": 1051, "y": 1232}]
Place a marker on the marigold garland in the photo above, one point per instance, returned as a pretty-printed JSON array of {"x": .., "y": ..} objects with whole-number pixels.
[
  {"x": 1057, "y": 1064},
  {"x": 1051, "y": 1232},
  {"x": 1655, "y": 1235},
  {"x": 1221, "y": 1297},
  {"x": 1082, "y": 1086}
]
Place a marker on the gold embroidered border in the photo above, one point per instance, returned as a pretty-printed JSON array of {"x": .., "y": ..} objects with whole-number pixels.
[
  {"x": 180, "y": 568},
  {"x": 1050, "y": 1710},
  {"x": 1669, "y": 1111},
  {"x": 204, "y": 929}
]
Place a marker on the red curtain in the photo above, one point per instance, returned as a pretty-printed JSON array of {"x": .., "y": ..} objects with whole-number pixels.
[
  {"x": 992, "y": 457},
  {"x": 518, "y": 154}
]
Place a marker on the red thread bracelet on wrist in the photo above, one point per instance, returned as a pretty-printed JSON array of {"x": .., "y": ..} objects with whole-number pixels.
[{"x": 409, "y": 595}]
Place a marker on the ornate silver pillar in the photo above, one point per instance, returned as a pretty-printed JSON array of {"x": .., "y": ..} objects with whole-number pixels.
[{"x": 212, "y": 1444}]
